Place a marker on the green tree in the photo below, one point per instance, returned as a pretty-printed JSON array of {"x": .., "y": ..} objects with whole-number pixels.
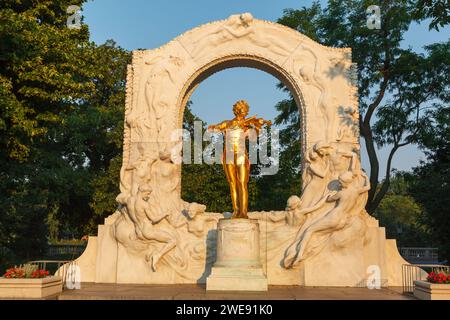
[
  {"x": 431, "y": 183},
  {"x": 274, "y": 190},
  {"x": 402, "y": 216},
  {"x": 61, "y": 102},
  {"x": 436, "y": 10},
  {"x": 395, "y": 84},
  {"x": 93, "y": 136},
  {"x": 42, "y": 74}
]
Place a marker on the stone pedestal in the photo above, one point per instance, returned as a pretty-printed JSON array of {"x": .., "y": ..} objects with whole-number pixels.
[{"x": 238, "y": 264}]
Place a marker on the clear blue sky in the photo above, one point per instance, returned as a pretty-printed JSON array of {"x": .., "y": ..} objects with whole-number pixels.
[{"x": 140, "y": 24}]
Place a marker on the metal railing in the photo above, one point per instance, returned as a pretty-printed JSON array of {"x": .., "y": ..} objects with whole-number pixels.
[
  {"x": 418, "y": 255},
  {"x": 74, "y": 250},
  {"x": 43, "y": 264},
  {"x": 412, "y": 272},
  {"x": 60, "y": 268}
]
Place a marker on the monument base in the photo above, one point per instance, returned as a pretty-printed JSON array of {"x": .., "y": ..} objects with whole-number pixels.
[
  {"x": 107, "y": 261},
  {"x": 238, "y": 264},
  {"x": 236, "y": 279}
]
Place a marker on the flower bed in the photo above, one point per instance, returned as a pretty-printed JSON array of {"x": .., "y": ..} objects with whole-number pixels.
[
  {"x": 20, "y": 272},
  {"x": 438, "y": 277},
  {"x": 437, "y": 287},
  {"x": 29, "y": 282}
]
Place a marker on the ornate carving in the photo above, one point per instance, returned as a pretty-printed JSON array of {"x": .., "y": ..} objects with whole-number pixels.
[
  {"x": 316, "y": 174},
  {"x": 334, "y": 220},
  {"x": 312, "y": 75},
  {"x": 134, "y": 175},
  {"x": 348, "y": 130},
  {"x": 236, "y": 27},
  {"x": 127, "y": 133}
]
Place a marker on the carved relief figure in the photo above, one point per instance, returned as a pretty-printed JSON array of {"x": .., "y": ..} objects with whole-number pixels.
[
  {"x": 160, "y": 77},
  {"x": 145, "y": 220},
  {"x": 235, "y": 27},
  {"x": 165, "y": 182},
  {"x": 135, "y": 174},
  {"x": 361, "y": 181},
  {"x": 195, "y": 219},
  {"x": 341, "y": 161},
  {"x": 317, "y": 173},
  {"x": 311, "y": 76},
  {"x": 333, "y": 221},
  {"x": 296, "y": 215},
  {"x": 149, "y": 122},
  {"x": 235, "y": 158},
  {"x": 348, "y": 129}
]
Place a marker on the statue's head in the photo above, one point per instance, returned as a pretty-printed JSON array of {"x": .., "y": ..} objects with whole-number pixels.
[
  {"x": 145, "y": 190},
  {"x": 345, "y": 179},
  {"x": 246, "y": 18},
  {"x": 195, "y": 209},
  {"x": 293, "y": 203},
  {"x": 241, "y": 108},
  {"x": 322, "y": 148}
]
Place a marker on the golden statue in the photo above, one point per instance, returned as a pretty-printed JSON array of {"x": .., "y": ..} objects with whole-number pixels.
[{"x": 235, "y": 157}]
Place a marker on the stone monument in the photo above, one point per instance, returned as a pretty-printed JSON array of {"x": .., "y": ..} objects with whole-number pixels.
[{"x": 324, "y": 237}]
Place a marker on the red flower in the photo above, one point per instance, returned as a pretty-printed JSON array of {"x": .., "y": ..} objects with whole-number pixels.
[
  {"x": 440, "y": 277},
  {"x": 20, "y": 273}
]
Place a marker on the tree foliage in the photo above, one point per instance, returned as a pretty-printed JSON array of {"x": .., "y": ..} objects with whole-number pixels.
[
  {"x": 61, "y": 114},
  {"x": 274, "y": 190},
  {"x": 401, "y": 214},
  {"x": 395, "y": 85},
  {"x": 431, "y": 180},
  {"x": 436, "y": 10}
]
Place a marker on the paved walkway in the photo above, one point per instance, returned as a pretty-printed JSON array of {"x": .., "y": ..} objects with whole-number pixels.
[{"x": 91, "y": 291}]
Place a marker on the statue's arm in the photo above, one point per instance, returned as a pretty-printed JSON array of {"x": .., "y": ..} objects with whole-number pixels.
[
  {"x": 178, "y": 221},
  {"x": 219, "y": 127},
  {"x": 354, "y": 161},
  {"x": 317, "y": 172},
  {"x": 333, "y": 197},
  {"x": 276, "y": 217},
  {"x": 313, "y": 208},
  {"x": 366, "y": 185},
  {"x": 235, "y": 32},
  {"x": 258, "y": 123}
]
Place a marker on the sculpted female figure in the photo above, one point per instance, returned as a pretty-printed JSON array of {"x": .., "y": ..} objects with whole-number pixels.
[
  {"x": 235, "y": 158},
  {"x": 316, "y": 174},
  {"x": 165, "y": 182},
  {"x": 146, "y": 222},
  {"x": 334, "y": 220},
  {"x": 134, "y": 175}
]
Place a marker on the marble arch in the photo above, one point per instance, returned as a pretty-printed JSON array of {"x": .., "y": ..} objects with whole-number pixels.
[
  {"x": 155, "y": 237},
  {"x": 318, "y": 76}
]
